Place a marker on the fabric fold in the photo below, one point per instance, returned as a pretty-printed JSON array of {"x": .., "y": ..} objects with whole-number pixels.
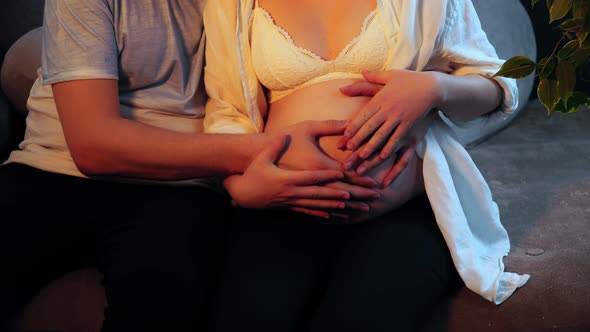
[{"x": 467, "y": 216}]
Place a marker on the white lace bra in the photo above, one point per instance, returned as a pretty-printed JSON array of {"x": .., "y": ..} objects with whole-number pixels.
[{"x": 282, "y": 66}]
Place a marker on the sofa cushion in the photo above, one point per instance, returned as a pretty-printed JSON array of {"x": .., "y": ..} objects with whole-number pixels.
[
  {"x": 19, "y": 70},
  {"x": 73, "y": 303}
]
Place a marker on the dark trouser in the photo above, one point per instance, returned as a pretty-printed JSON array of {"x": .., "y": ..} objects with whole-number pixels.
[
  {"x": 155, "y": 245},
  {"x": 283, "y": 273}
]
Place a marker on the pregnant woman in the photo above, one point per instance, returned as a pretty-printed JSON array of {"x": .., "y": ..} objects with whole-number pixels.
[{"x": 271, "y": 64}]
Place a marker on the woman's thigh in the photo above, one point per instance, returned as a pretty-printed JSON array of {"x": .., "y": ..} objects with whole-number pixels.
[
  {"x": 287, "y": 272},
  {"x": 274, "y": 271},
  {"x": 389, "y": 274},
  {"x": 158, "y": 253}
]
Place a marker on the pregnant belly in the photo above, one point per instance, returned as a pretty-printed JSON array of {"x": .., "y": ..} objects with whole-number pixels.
[{"x": 324, "y": 101}]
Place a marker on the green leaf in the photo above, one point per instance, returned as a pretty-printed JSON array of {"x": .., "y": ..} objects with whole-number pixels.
[
  {"x": 548, "y": 95},
  {"x": 580, "y": 8},
  {"x": 568, "y": 50},
  {"x": 566, "y": 79},
  {"x": 546, "y": 67},
  {"x": 573, "y": 104},
  {"x": 559, "y": 9},
  {"x": 517, "y": 67},
  {"x": 573, "y": 24}
]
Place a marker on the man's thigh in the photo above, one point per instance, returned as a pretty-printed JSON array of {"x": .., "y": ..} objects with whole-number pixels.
[
  {"x": 158, "y": 249},
  {"x": 43, "y": 234},
  {"x": 273, "y": 272}
]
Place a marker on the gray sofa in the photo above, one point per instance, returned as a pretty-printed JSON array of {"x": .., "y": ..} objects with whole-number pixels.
[{"x": 537, "y": 167}]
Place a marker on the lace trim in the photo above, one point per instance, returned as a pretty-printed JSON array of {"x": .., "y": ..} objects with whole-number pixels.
[{"x": 366, "y": 22}]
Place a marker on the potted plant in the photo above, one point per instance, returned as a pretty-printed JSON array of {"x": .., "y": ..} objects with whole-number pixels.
[{"x": 560, "y": 72}]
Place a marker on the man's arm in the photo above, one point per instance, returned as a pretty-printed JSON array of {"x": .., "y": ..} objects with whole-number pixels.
[{"x": 104, "y": 143}]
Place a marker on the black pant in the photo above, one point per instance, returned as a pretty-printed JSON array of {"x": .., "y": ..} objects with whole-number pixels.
[
  {"x": 287, "y": 273},
  {"x": 155, "y": 245}
]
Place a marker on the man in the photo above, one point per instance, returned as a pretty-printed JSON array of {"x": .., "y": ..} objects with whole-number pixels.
[{"x": 114, "y": 169}]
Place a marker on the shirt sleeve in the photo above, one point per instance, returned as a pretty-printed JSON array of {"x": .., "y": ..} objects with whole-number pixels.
[
  {"x": 226, "y": 110},
  {"x": 464, "y": 49},
  {"x": 79, "y": 41}
]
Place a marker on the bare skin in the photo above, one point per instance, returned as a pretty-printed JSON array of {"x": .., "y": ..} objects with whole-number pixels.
[
  {"x": 103, "y": 143},
  {"x": 389, "y": 111},
  {"x": 324, "y": 101}
]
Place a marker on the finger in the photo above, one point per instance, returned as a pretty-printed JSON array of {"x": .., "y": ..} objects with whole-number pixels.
[
  {"x": 357, "y": 206},
  {"x": 378, "y": 139},
  {"x": 312, "y": 212},
  {"x": 363, "y": 181},
  {"x": 361, "y": 88},
  {"x": 352, "y": 207},
  {"x": 306, "y": 178},
  {"x": 395, "y": 141},
  {"x": 318, "y": 192},
  {"x": 366, "y": 130},
  {"x": 272, "y": 152},
  {"x": 352, "y": 161},
  {"x": 378, "y": 76},
  {"x": 400, "y": 165},
  {"x": 316, "y": 203},
  {"x": 357, "y": 121},
  {"x": 327, "y": 127},
  {"x": 368, "y": 165},
  {"x": 357, "y": 193},
  {"x": 341, "y": 145}
]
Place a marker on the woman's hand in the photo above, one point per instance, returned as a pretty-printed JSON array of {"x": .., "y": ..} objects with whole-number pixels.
[
  {"x": 305, "y": 153},
  {"x": 265, "y": 185},
  {"x": 387, "y": 124}
]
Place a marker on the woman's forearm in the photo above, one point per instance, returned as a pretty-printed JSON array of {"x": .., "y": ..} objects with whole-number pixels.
[{"x": 466, "y": 97}]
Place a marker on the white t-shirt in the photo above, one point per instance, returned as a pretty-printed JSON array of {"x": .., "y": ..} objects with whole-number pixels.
[{"x": 154, "y": 48}]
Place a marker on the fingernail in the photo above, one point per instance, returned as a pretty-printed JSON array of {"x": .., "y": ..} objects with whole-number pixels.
[
  {"x": 375, "y": 195},
  {"x": 350, "y": 146},
  {"x": 345, "y": 196},
  {"x": 347, "y": 133},
  {"x": 384, "y": 155},
  {"x": 361, "y": 170},
  {"x": 341, "y": 205},
  {"x": 348, "y": 165},
  {"x": 364, "y": 154}
]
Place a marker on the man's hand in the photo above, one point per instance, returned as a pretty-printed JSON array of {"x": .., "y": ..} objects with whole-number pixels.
[{"x": 264, "y": 185}]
